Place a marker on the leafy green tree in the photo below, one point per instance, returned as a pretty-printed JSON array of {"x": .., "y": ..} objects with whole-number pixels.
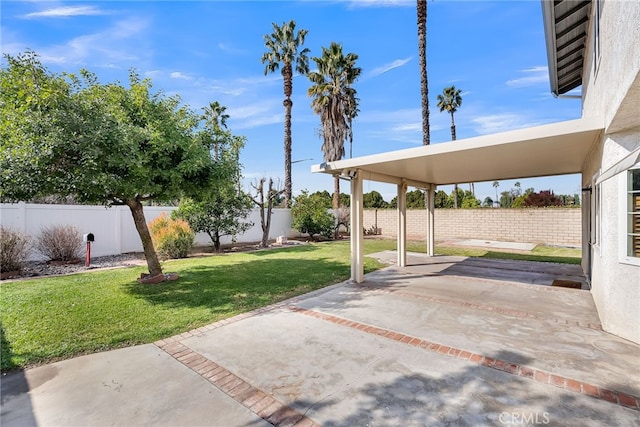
[
  {"x": 334, "y": 100},
  {"x": 442, "y": 200},
  {"x": 284, "y": 49},
  {"x": 469, "y": 201},
  {"x": 221, "y": 208},
  {"x": 450, "y": 101},
  {"x": 345, "y": 200},
  {"x": 488, "y": 202},
  {"x": 324, "y": 197},
  {"x": 311, "y": 216},
  {"x": 415, "y": 199},
  {"x": 374, "y": 200},
  {"x": 103, "y": 143},
  {"x": 518, "y": 202}
]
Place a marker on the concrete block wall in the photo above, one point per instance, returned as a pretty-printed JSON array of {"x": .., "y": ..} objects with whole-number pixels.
[{"x": 553, "y": 226}]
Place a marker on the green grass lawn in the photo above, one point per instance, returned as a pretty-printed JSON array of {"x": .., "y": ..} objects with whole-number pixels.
[
  {"x": 59, "y": 317},
  {"x": 539, "y": 253}
]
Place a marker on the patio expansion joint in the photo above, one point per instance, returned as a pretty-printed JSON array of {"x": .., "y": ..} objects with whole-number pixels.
[
  {"x": 523, "y": 371},
  {"x": 481, "y": 307},
  {"x": 257, "y": 401}
]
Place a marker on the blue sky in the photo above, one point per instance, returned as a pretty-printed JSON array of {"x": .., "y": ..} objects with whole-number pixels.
[{"x": 210, "y": 51}]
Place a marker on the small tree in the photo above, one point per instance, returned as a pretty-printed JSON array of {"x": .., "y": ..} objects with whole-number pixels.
[
  {"x": 311, "y": 216},
  {"x": 221, "y": 207},
  {"x": 374, "y": 199},
  {"x": 265, "y": 204},
  {"x": 542, "y": 199},
  {"x": 102, "y": 143}
]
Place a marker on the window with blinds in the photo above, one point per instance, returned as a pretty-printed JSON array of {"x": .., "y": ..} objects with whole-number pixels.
[{"x": 633, "y": 234}]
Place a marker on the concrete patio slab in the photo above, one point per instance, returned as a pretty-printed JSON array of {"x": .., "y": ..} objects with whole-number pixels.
[
  {"x": 133, "y": 386},
  {"x": 429, "y": 344}
]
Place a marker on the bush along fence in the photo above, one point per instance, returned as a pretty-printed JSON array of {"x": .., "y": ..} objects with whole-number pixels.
[{"x": 113, "y": 228}]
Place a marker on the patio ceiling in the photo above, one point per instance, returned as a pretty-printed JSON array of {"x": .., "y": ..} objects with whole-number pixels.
[
  {"x": 555, "y": 149},
  {"x": 566, "y": 24}
]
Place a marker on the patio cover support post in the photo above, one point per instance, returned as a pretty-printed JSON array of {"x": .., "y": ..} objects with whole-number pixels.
[
  {"x": 431, "y": 241},
  {"x": 357, "y": 231},
  {"x": 402, "y": 225}
]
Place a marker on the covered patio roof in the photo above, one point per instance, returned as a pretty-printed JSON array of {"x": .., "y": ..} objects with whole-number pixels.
[{"x": 554, "y": 149}]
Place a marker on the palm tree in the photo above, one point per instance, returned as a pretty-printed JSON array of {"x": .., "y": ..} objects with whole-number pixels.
[
  {"x": 216, "y": 119},
  {"x": 283, "y": 48},
  {"x": 335, "y": 101},
  {"x": 424, "y": 82},
  {"x": 496, "y": 184},
  {"x": 451, "y": 100},
  {"x": 215, "y": 112}
]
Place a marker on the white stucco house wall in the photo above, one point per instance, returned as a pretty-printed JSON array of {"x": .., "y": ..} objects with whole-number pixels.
[
  {"x": 593, "y": 48},
  {"x": 610, "y": 78}
]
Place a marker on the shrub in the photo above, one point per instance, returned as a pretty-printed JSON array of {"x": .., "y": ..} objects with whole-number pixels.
[
  {"x": 172, "y": 238},
  {"x": 60, "y": 243},
  {"x": 14, "y": 249},
  {"x": 311, "y": 216}
]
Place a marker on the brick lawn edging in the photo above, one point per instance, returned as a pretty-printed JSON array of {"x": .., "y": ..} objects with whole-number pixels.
[
  {"x": 260, "y": 403},
  {"x": 565, "y": 383}
]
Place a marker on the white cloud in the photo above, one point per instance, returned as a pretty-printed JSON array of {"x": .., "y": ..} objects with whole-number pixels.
[
  {"x": 407, "y": 127},
  {"x": 533, "y": 76},
  {"x": 118, "y": 44},
  {"x": 66, "y": 11},
  {"x": 225, "y": 47},
  {"x": 179, "y": 75},
  {"x": 388, "y": 67},
  {"x": 262, "y": 113},
  {"x": 502, "y": 122},
  {"x": 380, "y": 3}
]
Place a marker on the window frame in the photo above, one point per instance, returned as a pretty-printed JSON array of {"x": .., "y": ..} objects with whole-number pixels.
[{"x": 625, "y": 214}]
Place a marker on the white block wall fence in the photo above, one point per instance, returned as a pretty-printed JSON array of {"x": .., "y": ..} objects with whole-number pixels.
[{"x": 113, "y": 227}]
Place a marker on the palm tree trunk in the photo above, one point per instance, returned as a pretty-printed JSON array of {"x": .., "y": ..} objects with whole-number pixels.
[
  {"x": 453, "y": 128},
  {"x": 455, "y": 198},
  {"x": 424, "y": 83},
  {"x": 288, "y": 104},
  {"x": 147, "y": 244},
  {"x": 336, "y": 192}
]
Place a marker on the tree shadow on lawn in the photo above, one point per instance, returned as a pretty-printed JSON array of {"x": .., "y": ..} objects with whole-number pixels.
[
  {"x": 6, "y": 351},
  {"x": 246, "y": 285}
]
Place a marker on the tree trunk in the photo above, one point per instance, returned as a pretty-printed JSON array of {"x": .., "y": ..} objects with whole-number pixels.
[
  {"x": 455, "y": 196},
  {"x": 216, "y": 241},
  {"x": 424, "y": 83},
  {"x": 336, "y": 192},
  {"x": 453, "y": 138},
  {"x": 147, "y": 244},
  {"x": 453, "y": 128},
  {"x": 288, "y": 104}
]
